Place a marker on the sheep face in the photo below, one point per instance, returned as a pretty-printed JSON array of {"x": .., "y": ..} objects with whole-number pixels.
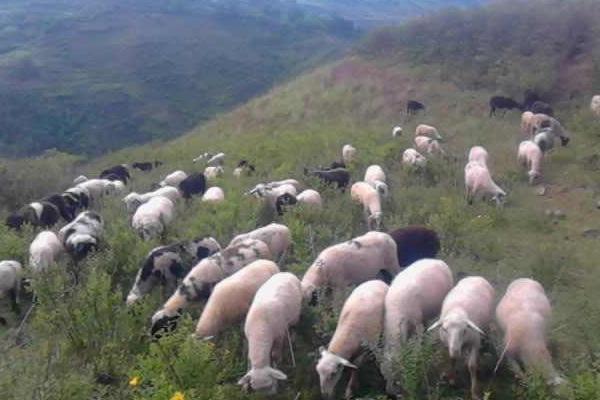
[
  {"x": 455, "y": 333},
  {"x": 164, "y": 321},
  {"x": 285, "y": 199},
  {"x": 262, "y": 379},
  {"x": 330, "y": 369}
]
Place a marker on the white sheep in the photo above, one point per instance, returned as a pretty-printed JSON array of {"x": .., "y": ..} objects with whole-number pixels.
[
  {"x": 173, "y": 179},
  {"x": 311, "y": 198},
  {"x": 80, "y": 179},
  {"x": 412, "y": 158},
  {"x": 348, "y": 154},
  {"x": 359, "y": 326},
  {"x": 216, "y": 160},
  {"x": 370, "y": 199},
  {"x": 44, "y": 250},
  {"x": 276, "y": 236},
  {"x": 133, "y": 200},
  {"x": 467, "y": 310},
  {"x": 214, "y": 195},
  {"x": 531, "y": 156},
  {"x": 479, "y": 154},
  {"x": 523, "y": 315},
  {"x": 428, "y": 131},
  {"x": 479, "y": 183},
  {"x": 528, "y": 123},
  {"x": 375, "y": 176},
  {"x": 428, "y": 145},
  {"x": 199, "y": 282},
  {"x": 595, "y": 105},
  {"x": 370, "y": 256},
  {"x": 213, "y": 172},
  {"x": 97, "y": 188},
  {"x": 11, "y": 273},
  {"x": 151, "y": 219},
  {"x": 231, "y": 298},
  {"x": 397, "y": 131},
  {"x": 415, "y": 296},
  {"x": 275, "y": 308},
  {"x": 261, "y": 187}
]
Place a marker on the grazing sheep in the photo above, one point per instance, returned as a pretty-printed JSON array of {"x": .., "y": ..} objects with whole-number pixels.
[
  {"x": 118, "y": 172},
  {"x": 143, "y": 166},
  {"x": 375, "y": 176},
  {"x": 167, "y": 265},
  {"x": 275, "y": 308},
  {"x": 11, "y": 273},
  {"x": 370, "y": 199},
  {"x": 479, "y": 183},
  {"x": 276, "y": 197},
  {"x": 428, "y": 145},
  {"x": 543, "y": 122},
  {"x": 397, "y": 131},
  {"x": 173, "y": 179},
  {"x": 134, "y": 200},
  {"x": 348, "y": 154},
  {"x": 467, "y": 310},
  {"x": 199, "y": 282},
  {"x": 338, "y": 176},
  {"x": 414, "y": 297},
  {"x": 151, "y": 219},
  {"x": 216, "y": 160},
  {"x": 413, "y": 106},
  {"x": 80, "y": 179},
  {"x": 539, "y": 107},
  {"x": 212, "y": 172},
  {"x": 78, "y": 198},
  {"x": 231, "y": 298},
  {"x": 412, "y": 158},
  {"x": 44, "y": 250},
  {"x": 595, "y": 105},
  {"x": 66, "y": 211},
  {"x": 83, "y": 234},
  {"x": 531, "y": 156},
  {"x": 370, "y": 256},
  {"x": 428, "y": 131},
  {"x": 97, "y": 188},
  {"x": 527, "y": 123},
  {"x": 479, "y": 154},
  {"x": 414, "y": 243},
  {"x": 193, "y": 184},
  {"x": 276, "y": 236},
  {"x": 243, "y": 168},
  {"x": 523, "y": 315},
  {"x": 359, "y": 326},
  {"x": 311, "y": 198},
  {"x": 503, "y": 103},
  {"x": 214, "y": 195},
  {"x": 37, "y": 214}
]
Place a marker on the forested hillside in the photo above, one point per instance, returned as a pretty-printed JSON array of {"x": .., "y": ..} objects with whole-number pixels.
[{"x": 82, "y": 342}]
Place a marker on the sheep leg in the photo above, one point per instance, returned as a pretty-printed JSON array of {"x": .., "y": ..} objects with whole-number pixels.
[
  {"x": 14, "y": 300},
  {"x": 515, "y": 367},
  {"x": 469, "y": 196},
  {"x": 277, "y": 351},
  {"x": 472, "y": 365}
]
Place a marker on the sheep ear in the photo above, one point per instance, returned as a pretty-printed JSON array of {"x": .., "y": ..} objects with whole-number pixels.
[
  {"x": 277, "y": 374},
  {"x": 475, "y": 327},
  {"x": 435, "y": 325},
  {"x": 244, "y": 380},
  {"x": 322, "y": 350},
  {"x": 347, "y": 363}
]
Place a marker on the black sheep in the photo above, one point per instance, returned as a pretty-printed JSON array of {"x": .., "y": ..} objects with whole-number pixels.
[
  {"x": 413, "y": 106},
  {"x": 142, "y": 166},
  {"x": 42, "y": 214},
  {"x": 530, "y": 98},
  {"x": 67, "y": 211},
  {"x": 503, "y": 103},
  {"x": 118, "y": 172},
  {"x": 337, "y": 176},
  {"x": 414, "y": 243},
  {"x": 193, "y": 184},
  {"x": 539, "y": 107}
]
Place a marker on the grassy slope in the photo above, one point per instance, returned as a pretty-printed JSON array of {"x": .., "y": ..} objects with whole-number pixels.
[{"x": 88, "y": 332}]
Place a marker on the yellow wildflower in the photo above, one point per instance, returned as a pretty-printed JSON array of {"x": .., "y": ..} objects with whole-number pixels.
[
  {"x": 135, "y": 381},
  {"x": 178, "y": 396}
]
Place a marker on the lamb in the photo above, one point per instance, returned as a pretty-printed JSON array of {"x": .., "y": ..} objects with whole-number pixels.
[
  {"x": 213, "y": 172},
  {"x": 415, "y": 296},
  {"x": 199, "y": 282},
  {"x": 11, "y": 273},
  {"x": 527, "y": 123},
  {"x": 275, "y": 308},
  {"x": 371, "y": 201},
  {"x": 214, "y": 195},
  {"x": 503, "y": 103},
  {"x": 523, "y": 315},
  {"x": 370, "y": 256},
  {"x": 167, "y": 265},
  {"x": 134, "y": 200},
  {"x": 231, "y": 298},
  {"x": 37, "y": 214},
  {"x": 83, "y": 234},
  {"x": 192, "y": 185},
  {"x": 595, "y": 105},
  {"x": 479, "y": 154},
  {"x": 311, "y": 198},
  {"x": 466, "y": 312},
  {"x": 412, "y": 158},
  {"x": 173, "y": 179},
  {"x": 151, "y": 219},
  {"x": 276, "y": 236},
  {"x": 44, "y": 251},
  {"x": 531, "y": 156},
  {"x": 338, "y": 176},
  {"x": 428, "y": 131},
  {"x": 397, "y": 131},
  {"x": 478, "y": 182},
  {"x": 414, "y": 243},
  {"x": 348, "y": 154},
  {"x": 428, "y": 145},
  {"x": 360, "y": 324},
  {"x": 413, "y": 106}
]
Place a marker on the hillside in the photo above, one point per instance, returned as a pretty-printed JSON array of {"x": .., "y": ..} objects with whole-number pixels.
[
  {"x": 81, "y": 341},
  {"x": 92, "y": 76}
]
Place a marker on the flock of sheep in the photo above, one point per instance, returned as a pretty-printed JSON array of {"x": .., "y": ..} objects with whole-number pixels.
[{"x": 400, "y": 286}]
